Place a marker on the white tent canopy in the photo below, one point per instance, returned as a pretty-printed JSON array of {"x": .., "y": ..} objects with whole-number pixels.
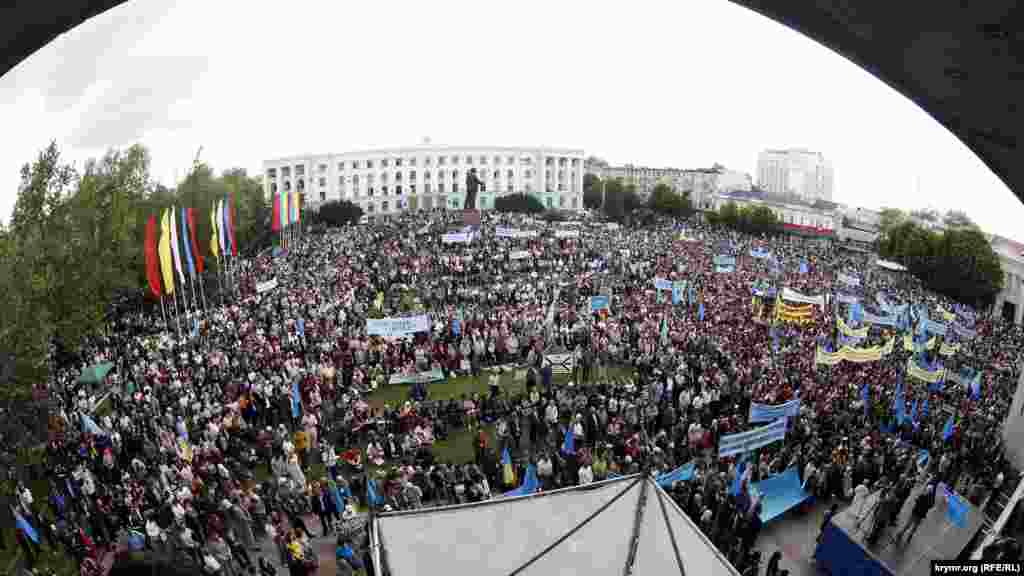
[{"x": 582, "y": 530}]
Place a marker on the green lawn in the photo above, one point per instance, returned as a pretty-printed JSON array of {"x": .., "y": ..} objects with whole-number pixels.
[{"x": 458, "y": 448}]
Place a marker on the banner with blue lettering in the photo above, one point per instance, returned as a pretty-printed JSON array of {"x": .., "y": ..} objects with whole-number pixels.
[
  {"x": 395, "y": 327},
  {"x": 746, "y": 441},
  {"x": 768, "y": 413},
  {"x": 600, "y": 303}
]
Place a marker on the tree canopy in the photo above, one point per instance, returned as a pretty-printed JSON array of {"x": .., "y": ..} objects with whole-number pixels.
[
  {"x": 75, "y": 238},
  {"x": 338, "y": 213},
  {"x": 518, "y": 203},
  {"x": 751, "y": 219},
  {"x": 958, "y": 263},
  {"x": 665, "y": 200}
]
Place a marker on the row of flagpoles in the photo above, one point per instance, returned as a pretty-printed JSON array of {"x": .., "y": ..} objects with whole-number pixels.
[
  {"x": 287, "y": 213},
  {"x": 177, "y": 251}
]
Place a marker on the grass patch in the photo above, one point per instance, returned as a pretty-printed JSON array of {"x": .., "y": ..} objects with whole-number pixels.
[{"x": 458, "y": 448}]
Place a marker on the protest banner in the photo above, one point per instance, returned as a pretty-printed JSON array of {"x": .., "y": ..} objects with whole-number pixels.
[
  {"x": 396, "y": 327},
  {"x": 746, "y": 441},
  {"x": 433, "y": 375},
  {"x": 266, "y": 286},
  {"x": 768, "y": 413}
]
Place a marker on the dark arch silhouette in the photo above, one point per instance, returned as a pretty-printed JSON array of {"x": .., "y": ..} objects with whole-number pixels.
[{"x": 962, "y": 62}]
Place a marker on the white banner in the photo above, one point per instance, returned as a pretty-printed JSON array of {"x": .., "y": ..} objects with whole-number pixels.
[
  {"x": 394, "y": 327},
  {"x": 746, "y": 441},
  {"x": 567, "y": 233},
  {"x": 794, "y": 296},
  {"x": 266, "y": 286},
  {"x": 506, "y": 232},
  {"x": 519, "y": 254},
  {"x": 457, "y": 238},
  {"x": 433, "y": 375}
]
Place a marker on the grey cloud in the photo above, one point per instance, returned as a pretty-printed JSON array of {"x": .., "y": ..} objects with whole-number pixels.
[
  {"x": 94, "y": 48},
  {"x": 139, "y": 102}
]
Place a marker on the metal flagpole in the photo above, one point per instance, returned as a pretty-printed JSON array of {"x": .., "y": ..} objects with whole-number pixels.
[
  {"x": 177, "y": 316},
  {"x": 163, "y": 311}
]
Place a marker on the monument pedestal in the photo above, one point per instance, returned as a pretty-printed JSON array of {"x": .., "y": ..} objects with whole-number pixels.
[{"x": 471, "y": 217}]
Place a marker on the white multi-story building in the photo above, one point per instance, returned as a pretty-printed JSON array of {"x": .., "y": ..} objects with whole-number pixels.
[
  {"x": 701, "y": 183},
  {"x": 1009, "y": 303},
  {"x": 425, "y": 177},
  {"x": 795, "y": 172}
]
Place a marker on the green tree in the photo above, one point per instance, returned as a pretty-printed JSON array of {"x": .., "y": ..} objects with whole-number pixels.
[
  {"x": 957, "y": 219},
  {"x": 592, "y": 191},
  {"x": 958, "y": 263},
  {"x": 665, "y": 200},
  {"x": 75, "y": 240},
  {"x": 339, "y": 213},
  {"x": 527, "y": 203},
  {"x": 889, "y": 218}
]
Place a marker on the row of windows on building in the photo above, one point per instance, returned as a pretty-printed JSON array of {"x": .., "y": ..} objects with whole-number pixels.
[
  {"x": 428, "y": 203},
  {"x": 411, "y": 187},
  {"x": 300, "y": 170}
]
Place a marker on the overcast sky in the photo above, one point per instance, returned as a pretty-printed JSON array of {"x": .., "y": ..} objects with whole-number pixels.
[{"x": 660, "y": 84}]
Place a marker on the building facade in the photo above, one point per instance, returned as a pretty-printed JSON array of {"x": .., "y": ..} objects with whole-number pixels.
[
  {"x": 798, "y": 218},
  {"x": 701, "y": 183},
  {"x": 425, "y": 177},
  {"x": 1009, "y": 303},
  {"x": 795, "y": 172}
]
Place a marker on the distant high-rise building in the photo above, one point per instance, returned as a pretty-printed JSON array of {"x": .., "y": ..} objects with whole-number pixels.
[{"x": 795, "y": 172}]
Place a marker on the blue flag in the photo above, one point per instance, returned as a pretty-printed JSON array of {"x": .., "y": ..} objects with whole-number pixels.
[
  {"x": 804, "y": 269},
  {"x": 569, "y": 444},
  {"x": 924, "y": 407},
  {"x": 947, "y": 432},
  {"x": 89, "y": 426},
  {"x": 913, "y": 414},
  {"x": 187, "y": 245},
  {"x": 865, "y": 395},
  {"x": 506, "y": 458},
  {"x": 25, "y": 527},
  {"x": 956, "y": 508},
  {"x": 700, "y": 312},
  {"x": 976, "y": 386},
  {"x": 530, "y": 483},
  {"x": 372, "y": 496},
  {"x": 898, "y": 402},
  {"x": 296, "y": 405},
  {"x": 737, "y": 484},
  {"x": 300, "y": 327}
]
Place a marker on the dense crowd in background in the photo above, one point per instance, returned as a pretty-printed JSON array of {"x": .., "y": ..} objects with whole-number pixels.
[{"x": 204, "y": 454}]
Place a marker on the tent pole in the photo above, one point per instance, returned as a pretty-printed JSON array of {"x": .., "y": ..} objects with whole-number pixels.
[{"x": 634, "y": 540}]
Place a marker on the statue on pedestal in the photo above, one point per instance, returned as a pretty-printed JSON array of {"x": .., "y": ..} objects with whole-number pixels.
[{"x": 473, "y": 185}]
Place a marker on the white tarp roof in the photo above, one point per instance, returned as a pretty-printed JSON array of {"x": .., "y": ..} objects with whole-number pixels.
[{"x": 500, "y": 536}]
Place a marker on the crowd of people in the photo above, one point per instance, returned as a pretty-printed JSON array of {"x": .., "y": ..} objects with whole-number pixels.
[{"x": 224, "y": 430}]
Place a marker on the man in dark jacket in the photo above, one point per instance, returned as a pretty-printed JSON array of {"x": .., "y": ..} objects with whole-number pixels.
[{"x": 922, "y": 505}]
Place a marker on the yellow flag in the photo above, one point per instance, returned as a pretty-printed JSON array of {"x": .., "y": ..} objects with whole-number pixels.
[
  {"x": 213, "y": 238},
  {"x": 166, "y": 267}
]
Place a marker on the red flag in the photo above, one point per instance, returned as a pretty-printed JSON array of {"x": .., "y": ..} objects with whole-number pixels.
[
  {"x": 152, "y": 262},
  {"x": 275, "y": 221},
  {"x": 231, "y": 226},
  {"x": 195, "y": 244}
]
